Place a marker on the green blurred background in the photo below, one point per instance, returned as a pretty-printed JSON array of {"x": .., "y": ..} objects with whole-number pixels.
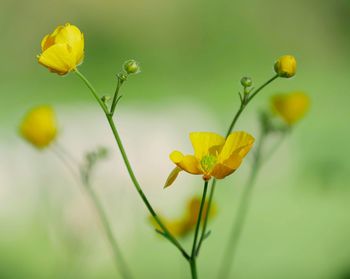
[{"x": 193, "y": 54}]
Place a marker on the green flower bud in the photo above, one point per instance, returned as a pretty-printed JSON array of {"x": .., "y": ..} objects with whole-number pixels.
[
  {"x": 105, "y": 98},
  {"x": 246, "y": 82},
  {"x": 131, "y": 67}
]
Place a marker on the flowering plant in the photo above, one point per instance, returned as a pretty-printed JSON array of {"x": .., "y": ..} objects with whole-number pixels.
[{"x": 215, "y": 156}]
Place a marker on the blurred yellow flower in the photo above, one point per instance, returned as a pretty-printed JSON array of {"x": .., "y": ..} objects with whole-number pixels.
[
  {"x": 213, "y": 155},
  {"x": 39, "y": 126},
  {"x": 62, "y": 50},
  {"x": 286, "y": 66},
  {"x": 187, "y": 223},
  {"x": 290, "y": 107}
]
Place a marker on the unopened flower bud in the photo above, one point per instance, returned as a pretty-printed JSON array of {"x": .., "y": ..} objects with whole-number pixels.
[
  {"x": 131, "y": 67},
  {"x": 286, "y": 66},
  {"x": 246, "y": 82},
  {"x": 105, "y": 98}
]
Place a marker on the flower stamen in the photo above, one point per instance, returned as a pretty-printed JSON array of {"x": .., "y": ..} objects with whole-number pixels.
[{"x": 208, "y": 162}]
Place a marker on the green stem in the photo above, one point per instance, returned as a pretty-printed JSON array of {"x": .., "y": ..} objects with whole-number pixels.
[
  {"x": 194, "y": 245},
  {"x": 246, "y": 102},
  {"x": 92, "y": 90},
  {"x": 242, "y": 211},
  {"x": 193, "y": 269},
  {"x": 232, "y": 125},
  {"x": 135, "y": 182},
  {"x": 205, "y": 222},
  {"x": 118, "y": 256},
  {"x": 116, "y": 95},
  {"x": 119, "y": 259}
]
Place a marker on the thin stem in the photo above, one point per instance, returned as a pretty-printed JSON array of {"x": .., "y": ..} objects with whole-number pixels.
[
  {"x": 133, "y": 178},
  {"x": 242, "y": 211},
  {"x": 92, "y": 90},
  {"x": 199, "y": 219},
  {"x": 194, "y": 245},
  {"x": 115, "y": 97},
  {"x": 247, "y": 101},
  {"x": 205, "y": 222},
  {"x": 244, "y": 103},
  {"x": 119, "y": 261},
  {"x": 66, "y": 162},
  {"x": 274, "y": 148},
  {"x": 256, "y": 91}
]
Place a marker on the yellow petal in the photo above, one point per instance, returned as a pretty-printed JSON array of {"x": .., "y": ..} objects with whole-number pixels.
[
  {"x": 39, "y": 126},
  {"x": 71, "y": 35},
  {"x": 220, "y": 170},
  {"x": 192, "y": 211},
  {"x": 68, "y": 34},
  {"x": 176, "y": 156},
  {"x": 291, "y": 107},
  {"x": 187, "y": 163},
  {"x": 177, "y": 227},
  {"x": 46, "y": 42},
  {"x": 236, "y": 143},
  {"x": 58, "y": 58},
  {"x": 49, "y": 39},
  {"x": 205, "y": 143},
  {"x": 172, "y": 176},
  {"x": 78, "y": 48}
]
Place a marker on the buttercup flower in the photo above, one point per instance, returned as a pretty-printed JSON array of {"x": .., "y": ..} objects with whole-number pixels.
[
  {"x": 213, "y": 155},
  {"x": 286, "y": 66},
  {"x": 62, "y": 50},
  {"x": 187, "y": 223},
  {"x": 39, "y": 126},
  {"x": 290, "y": 107}
]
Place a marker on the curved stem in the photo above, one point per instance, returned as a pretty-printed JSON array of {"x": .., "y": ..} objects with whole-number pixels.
[
  {"x": 194, "y": 245},
  {"x": 133, "y": 178},
  {"x": 232, "y": 125},
  {"x": 118, "y": 256},
  {"x": 92, "y": 90}
]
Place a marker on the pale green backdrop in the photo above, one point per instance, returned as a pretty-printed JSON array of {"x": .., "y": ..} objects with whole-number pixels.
[{"x": 193, "y": 54}]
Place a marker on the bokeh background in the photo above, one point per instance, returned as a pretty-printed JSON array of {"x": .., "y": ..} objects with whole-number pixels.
[{"x": 193, "y": 54}]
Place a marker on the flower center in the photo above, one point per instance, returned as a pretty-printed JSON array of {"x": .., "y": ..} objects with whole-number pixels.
[{"x": 208, "y": 162}]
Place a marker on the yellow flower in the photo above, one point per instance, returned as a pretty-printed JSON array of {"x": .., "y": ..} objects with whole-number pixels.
[
  {"x": 286, "y": 66},
  {"x": 187, "y": 223},
  {"x": 62, "y": 50},
  {"x": 290, "y": 107},
  {"x": 39, "y": 126},
  {"x": 213, "y": 155}
]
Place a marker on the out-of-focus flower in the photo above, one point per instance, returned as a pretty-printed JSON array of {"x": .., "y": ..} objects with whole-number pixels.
[
  {"x": 286, "y": 66},
  {"x": 290, "y": 107},
  {"x": 62, "y": 50},
  {"x": 187, "y": 223},
  {"x": 213, "y": 155},
  {"x": 39, "y": 126}
]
